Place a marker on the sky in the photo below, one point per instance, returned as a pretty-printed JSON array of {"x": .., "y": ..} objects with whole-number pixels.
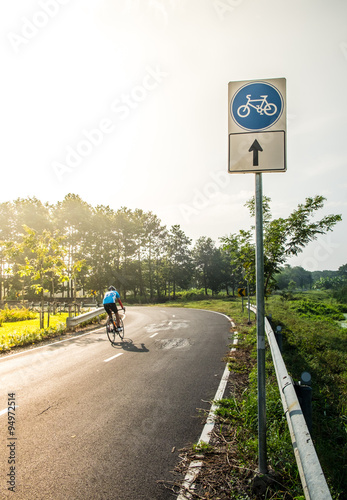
[{"x": 125, "y": 103}]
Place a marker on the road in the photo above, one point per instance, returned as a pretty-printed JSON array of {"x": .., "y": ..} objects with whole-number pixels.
[{"x": 93, "y": 421}]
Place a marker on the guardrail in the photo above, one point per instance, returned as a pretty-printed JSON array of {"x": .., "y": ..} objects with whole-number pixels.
[
  {"x": 312, "y": 477},
  {"x": 84, "y": 317}
]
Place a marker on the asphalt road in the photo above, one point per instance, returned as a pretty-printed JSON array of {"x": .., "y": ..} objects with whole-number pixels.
[{"x": 93, "y": 421}]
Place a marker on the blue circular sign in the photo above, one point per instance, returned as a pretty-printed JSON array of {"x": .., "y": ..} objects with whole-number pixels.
[{"x": 256, "y": 106}]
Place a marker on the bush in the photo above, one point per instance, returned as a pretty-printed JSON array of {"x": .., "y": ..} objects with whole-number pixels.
[
  {"x": 310, "y": 308},
  {"x": 192, "y": 294},
  {"x": 340, "y": 294},
  {"x": 8, "y": 315}
]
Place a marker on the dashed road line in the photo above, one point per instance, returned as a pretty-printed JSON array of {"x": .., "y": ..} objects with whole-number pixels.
[{"x": 113, "y": 357}]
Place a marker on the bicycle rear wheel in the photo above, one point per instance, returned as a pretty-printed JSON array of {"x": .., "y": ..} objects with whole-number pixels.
[{"x": 111, "y": 333}]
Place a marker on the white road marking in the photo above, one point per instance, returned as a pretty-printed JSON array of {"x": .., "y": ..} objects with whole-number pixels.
[
  {"x": 195, "y": 466},
  {"x": 154, "y": 334},
  {"x": 113, "y": 357}
]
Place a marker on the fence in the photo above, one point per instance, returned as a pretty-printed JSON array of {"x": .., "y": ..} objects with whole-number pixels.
[{"x": 311, "y": 474}]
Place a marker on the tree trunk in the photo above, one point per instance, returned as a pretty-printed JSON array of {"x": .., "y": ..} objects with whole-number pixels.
[{"x": 42, "y": 313}]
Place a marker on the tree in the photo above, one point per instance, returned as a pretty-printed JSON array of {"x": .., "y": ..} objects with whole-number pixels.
[
  {"x": 284, "y": 238},
  {"x": 297, "y": 274},
  {"x": 209, "y": 265},
  {"x": 73, "y": 217},
  {"x": 241, "y": 251},
  {"x": 179, "y": 262},
  {"x": 44, "y": 260}
]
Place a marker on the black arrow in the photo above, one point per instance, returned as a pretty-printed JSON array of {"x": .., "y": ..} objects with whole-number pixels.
[{"x": 255, "y": 148}]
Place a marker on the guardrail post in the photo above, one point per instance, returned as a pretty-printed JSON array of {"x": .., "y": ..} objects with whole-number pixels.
[
  {"x": 278, "y": 335},
  {"x": 304, "y": 394}
]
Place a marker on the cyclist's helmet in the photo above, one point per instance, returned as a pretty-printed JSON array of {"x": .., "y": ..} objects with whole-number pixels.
[{"x": 111, "y": 288}]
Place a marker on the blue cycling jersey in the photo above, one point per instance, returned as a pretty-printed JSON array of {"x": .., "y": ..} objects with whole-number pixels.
[{"x": 111, "y": 297}]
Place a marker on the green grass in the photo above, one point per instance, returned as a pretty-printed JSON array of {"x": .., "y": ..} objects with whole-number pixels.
[
  {"x": 313, "y": 341},
  {"x": 21, "y": 333},
  {"x": 317, "y": 344},
  {"x": 230, "y": 306},
  {"x": 15, "y": 314}
]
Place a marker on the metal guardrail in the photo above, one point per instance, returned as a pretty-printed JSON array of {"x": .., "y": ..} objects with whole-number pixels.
[
  {"x": 312, "y": 477},
  {"x": 84, "y": 317}
]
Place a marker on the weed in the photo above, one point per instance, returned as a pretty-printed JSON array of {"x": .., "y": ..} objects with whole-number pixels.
[{"x": 202, "y": 447}]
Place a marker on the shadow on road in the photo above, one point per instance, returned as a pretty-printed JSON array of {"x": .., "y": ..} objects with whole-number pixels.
[{"x": 128, "y": 345}]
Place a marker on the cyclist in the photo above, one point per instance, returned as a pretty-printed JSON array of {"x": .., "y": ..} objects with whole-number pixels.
[{"x": 109, "y": 302}]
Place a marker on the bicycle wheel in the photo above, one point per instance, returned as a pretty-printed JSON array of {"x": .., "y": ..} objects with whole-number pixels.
[
  {"x": 270, "y": 109},
  {"x": 121, "y": 334},
  {"x": 111, "y": 334},
  {"x": 243, "y": 111}
]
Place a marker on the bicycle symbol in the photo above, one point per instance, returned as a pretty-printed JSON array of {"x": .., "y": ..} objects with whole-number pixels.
[{"x": 262, "y": 107}]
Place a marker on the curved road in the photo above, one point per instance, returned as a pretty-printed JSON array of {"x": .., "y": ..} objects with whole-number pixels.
[{"x": 100, "y": 422}]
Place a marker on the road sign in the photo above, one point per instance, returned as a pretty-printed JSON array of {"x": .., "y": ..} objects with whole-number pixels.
[
  {"x": 241, "y": 292},
  {"x": 257, "y": 126}
]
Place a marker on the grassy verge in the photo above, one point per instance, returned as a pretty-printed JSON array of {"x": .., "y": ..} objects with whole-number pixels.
[
  {"x": 316, "y": 343},
  {"x": 312, "y": 342},
  {"x": 27, "y": 331},
  {"x": 20, "y": 333}
]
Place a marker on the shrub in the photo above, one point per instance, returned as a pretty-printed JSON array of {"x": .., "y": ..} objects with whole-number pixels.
[
  {"x": 317, "y": 309},
  {"x": 16, "y": 314}
]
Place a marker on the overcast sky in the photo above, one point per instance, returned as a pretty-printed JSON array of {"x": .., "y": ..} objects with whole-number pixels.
[{"x": 125, "y": 102}]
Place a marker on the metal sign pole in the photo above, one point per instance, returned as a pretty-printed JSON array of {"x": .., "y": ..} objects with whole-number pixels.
[
  {"x": 260, "y": 323},
  {"x": 257, "y": 143}
]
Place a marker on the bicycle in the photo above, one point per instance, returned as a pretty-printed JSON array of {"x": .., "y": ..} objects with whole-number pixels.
[
  {"x": 111, "y": 329},
  {"x": 264, "y": 107}
]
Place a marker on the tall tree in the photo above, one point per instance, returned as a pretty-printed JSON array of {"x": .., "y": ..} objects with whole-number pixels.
[
  {"x": 44, "y": 260},
  {"x": 72, "y": 217},
  {"x": 179, "y": 261},
  {"x": 284, "y": 238}
]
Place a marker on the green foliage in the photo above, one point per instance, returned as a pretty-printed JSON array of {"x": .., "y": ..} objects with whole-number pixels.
[
  {"x": 293, "y": 278},
  {"x": 24, "y": 332},
  {"x": 21, "y": 336},
  {"x": 311, "y": 343},
  {"x": 241, "y": 414},
  {"x": 340, "y": 294},
  {"x": 193, "y": 294},
  {"x": 282, "y": 237},
  {"x": 314, "y": 343},
  {"x": 318, "y": 310},
  {"x": 16, "y": 314},
  {"x": 73, "y": 246},
  {"x": 202, "y": 447}
]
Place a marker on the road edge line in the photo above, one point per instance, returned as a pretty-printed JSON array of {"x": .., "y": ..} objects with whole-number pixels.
[{"x": 195, "y": 466}]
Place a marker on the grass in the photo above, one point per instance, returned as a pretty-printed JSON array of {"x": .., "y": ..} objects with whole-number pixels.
[
  {"x": 15, "y": 314},
  {"x": 313, "y": 341},
  {"x": 25, "y": 332},
  {"x": 319, "y": 346}
]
